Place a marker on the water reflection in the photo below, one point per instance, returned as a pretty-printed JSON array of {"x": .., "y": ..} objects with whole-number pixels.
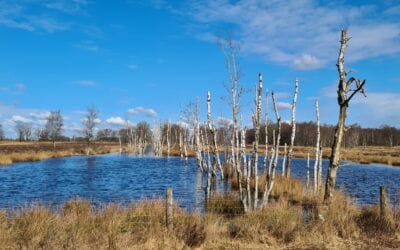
[{"x": 125, "y": 178}]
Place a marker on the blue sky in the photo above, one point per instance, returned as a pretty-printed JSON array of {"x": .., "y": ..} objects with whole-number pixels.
[{"x": 145, "y": 60}]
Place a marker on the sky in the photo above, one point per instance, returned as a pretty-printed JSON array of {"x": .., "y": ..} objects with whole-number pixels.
[{"x": 146, "y": 60}]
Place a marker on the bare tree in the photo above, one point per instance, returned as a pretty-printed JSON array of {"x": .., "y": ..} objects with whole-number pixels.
[
  {"x": 168, "y": 138},
  {"x": 270, "y": 178},
  {"x": 2, "y": 136},
  {"x": 23, "y": 130},
  {"x": 54, "y": 126},
  {"x": 308, "y": 170},
  {"x": 266, "y": 132},
  {"x": 256, "y": 126},
  {"x": 230, "y": 49},
  {"x": 90, "y": 121},
  {"x": 317, "y": 150},
  {"x": 344, "y": 88},
  {"x": 290, "y": 152},
  {"x": 214, "y": 146}
]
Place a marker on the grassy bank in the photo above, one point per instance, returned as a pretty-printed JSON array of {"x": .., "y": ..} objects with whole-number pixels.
[
  {"x": 294, "y": 219},
  {"x": 12, "y": 152},
  {"x": 364, "y": 155}
]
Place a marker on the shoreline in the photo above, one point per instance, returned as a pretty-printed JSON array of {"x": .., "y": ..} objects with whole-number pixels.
[{"x": 14, "y": 152}]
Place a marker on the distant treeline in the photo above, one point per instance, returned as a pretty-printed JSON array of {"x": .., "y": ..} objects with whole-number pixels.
[
  {"x": 355, "y": 136},
  {"x": 305, "y": 134}
]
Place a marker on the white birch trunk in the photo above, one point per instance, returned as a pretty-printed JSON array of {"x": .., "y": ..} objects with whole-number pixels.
[
  {"x": 284, "y": 160},
  {"x": 180, "y": 143},
  {"x": 266, "y": 133},
  {"x": 270, "y": 180},
  {"x": 317, "y": 148},
  {"x": 256, "y": 126},
  {"x": 168, "y": 139},
  {"x": 308, "y": 170},
  {"x": 290, "y": 152},
  {"x": 343, "y": 101}
]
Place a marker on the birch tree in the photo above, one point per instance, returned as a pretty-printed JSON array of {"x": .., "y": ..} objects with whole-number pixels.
[
  {"x": 270, "y": 178},
  {"x": 256, "y": 126},
  {"x": 54, "y": 126},
  {"x": 266, "y": 132},
  {"x": 293, "y": 124},
  {"x": 345, "y": 93},
  {"x": 317, "y": 149},
  {"x": 90, "y": 121},
  {"x": 214, "y": 146},
  {"x": 230, "y": 50},
  {"x": 2, "y": 136}
]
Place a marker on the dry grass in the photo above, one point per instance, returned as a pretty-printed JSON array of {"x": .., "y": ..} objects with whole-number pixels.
[
  {"x": 281, "y": 224},
  {"x": 365, "y": 155},
  {"x": 12, "y": 152}
]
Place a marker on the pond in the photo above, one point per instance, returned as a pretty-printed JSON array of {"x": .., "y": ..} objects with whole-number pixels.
[{"x": 125, "y": 178}]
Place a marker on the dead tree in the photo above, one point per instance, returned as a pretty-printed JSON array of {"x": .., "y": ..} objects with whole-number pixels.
[
  {"x": 308, "y": 170},
  {"x": 243, "y": 195},
  {"x": 54, "y": 126},
  {"x": 180, "y": 142},
  {"x": 157, "y": 140},
  {"x": 320, "y": 168},
  {"x": 266, "y": 133},
  {"x": 317, "y": 149},
  {"x": 185, "y": 141},
  {"x": 290, "y": 152},
  {"x": 198, "y": 146},
  {"x": 284, "y": 160},
  {"x": 230, "y": 50},
  {"x": 256, "y": 126},
  {"x": 270, "y": 180},
  {"x": 168, "y": 138},
  {"x": 345, "y": 94},
  {"x": 90, "y": 121},
  {"x": 216, "y": 160}
]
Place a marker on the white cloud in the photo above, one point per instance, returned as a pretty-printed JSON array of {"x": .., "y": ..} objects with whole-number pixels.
[
  {"x": 283, "y": 95},
  {"x": 117, "y": 121},
  {"x": 87, "y": 83},
  {"x": 305, "y": 33},
  {"x": 67, "y": 6},
  {"x": 307, "y": 61},
  {"x": 19, "y": 118},
  {"x": 377, "y": 108},
  {"x": 14, "y": 15},
  {"x": 40, "y": 115},
  {"x": 224, "y": 122},
  {"x": 284, "y": 105},
  {"x": 141, "y": 110},
  {"x": 97, "y": 120}
]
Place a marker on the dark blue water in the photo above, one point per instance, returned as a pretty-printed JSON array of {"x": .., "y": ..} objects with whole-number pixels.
[{"x": 123, "y": 179}]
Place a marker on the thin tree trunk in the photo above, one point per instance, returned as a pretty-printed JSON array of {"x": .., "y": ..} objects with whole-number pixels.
[
  {"x": 284, "y": 160},
  {"x": 256, "y": 126},
  {"x": 343, "y": 101},
  {"x": 308, "y": 170},
  {"x": 270, "y": 180},
  {"x": 290, "y": 152},
  {"x": 266, "y": 133},
  {"x": 211, "y": 128},
  {"x": 317, "y": 149}
]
